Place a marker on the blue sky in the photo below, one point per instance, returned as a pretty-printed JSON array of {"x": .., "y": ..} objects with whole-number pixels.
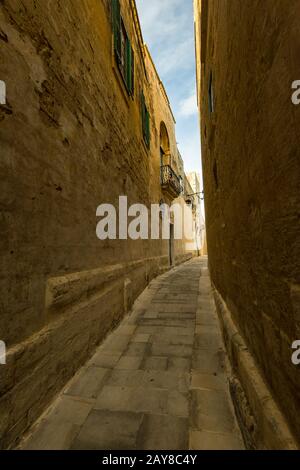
[{"x": 168, "y": 30}]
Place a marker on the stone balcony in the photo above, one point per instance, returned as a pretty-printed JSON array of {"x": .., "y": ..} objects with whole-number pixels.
[{"x": 170, "y": 182}]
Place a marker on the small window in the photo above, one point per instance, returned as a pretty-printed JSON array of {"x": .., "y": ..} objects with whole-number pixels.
[
  {"x": 123, "y": 51},
  {"x": 211, "y": 95},
  {"x": 145, "y": 121},
  {"x": 122, "y": 61}
]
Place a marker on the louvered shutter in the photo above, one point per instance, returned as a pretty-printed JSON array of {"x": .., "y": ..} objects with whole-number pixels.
[
  {"x": 147, "y": 127},
  {"x": 129, "y": 67},
  {"x": 116, "y": 13}
]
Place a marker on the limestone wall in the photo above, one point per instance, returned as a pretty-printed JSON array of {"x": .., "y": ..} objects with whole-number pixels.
[
  {"x": 70, "y": 139},
  {"x": 250, "y": 150}
]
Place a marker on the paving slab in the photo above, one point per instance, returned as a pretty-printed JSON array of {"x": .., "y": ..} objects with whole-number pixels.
[
  {"x": 163, "y": 433},
  {"x": 129, "y": 362},
  {"x": 137, "y": 349},
  {"x": 208, "y": 339},
  {"x": 204, "y": 440},
  {"x": 161, "y": 349},
  {"x": 208, "y": 381},
  {"x": 166, "y": 380},
  {"x": 173, "y": 339},
  {"x": 58, "y": 428},
  {"x": 125, "y": 378},
  {"x": 208, "y": 361},
  {"x": 106, "y": 361},
  {"x": 211, "y": 411},
  {"x": 178, "y": 404},
  {"x": 141, "y": 338},
  {"x": 182, "y": 364},
  {"x": 149, "y": 400},
  {"x": 105, "y": 430},
  {"x": 155, "y": 363},
  {"x": 88, "y": 383},
  {"x": 157, "y": 382},
  {"x": 114, "y": 398}
]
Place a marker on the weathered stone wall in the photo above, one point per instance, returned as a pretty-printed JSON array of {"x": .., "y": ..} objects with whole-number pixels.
[
  {"x": 70, "y": 139},
  {"x": 250, "y": 151}
]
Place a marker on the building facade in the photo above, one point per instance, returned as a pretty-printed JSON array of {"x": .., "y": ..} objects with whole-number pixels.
[
  {"x": 198, "y": 196},
  {"x": 246, "y": 63},
  {"x": 85, "y": 120}
]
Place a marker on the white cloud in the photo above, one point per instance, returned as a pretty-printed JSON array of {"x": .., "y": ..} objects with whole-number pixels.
[
  {"x": 160, "y": 18},
  {"x": 166, "y": 26},
  {"x": 188, "y": 107},
  {"x": 168, "y": 30},
  {"x": 175, "y": 57}
]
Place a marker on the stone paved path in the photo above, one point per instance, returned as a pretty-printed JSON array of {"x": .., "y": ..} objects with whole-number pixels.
[{"x": 157, "y": 382}]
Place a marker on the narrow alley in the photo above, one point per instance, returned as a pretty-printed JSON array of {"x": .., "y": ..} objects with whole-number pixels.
[
  {"x": 157, "y": 382},
  {"x": 149, "y": 227}
]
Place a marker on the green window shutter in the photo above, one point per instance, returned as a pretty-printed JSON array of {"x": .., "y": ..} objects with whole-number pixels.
[
  {"x": 143, "y": 108},
  {"x": 129, "y": 67},
  {"x": 145, "y": 121},
  {"x": 148, "y": 128},
  {"x": 132, "y": 71},
  {"x": 116, "y": 14}
]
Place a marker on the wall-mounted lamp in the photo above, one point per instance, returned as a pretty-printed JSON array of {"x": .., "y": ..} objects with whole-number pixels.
[{"x": 200, "y": 194}]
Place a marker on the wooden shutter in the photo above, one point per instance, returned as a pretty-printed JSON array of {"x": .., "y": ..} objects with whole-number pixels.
[
  {"x": 129, "y": 67},
  {"x": 147, "y": 127},
  {"x": 116, "y": 13},
  {"x": 132, "y": 71},
  {"x": 145, "y": 121},
  {"x": 143, "y": 109}
]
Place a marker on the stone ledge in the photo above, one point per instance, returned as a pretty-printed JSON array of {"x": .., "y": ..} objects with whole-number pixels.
[
  {"x": 82, "y": 308},
  {"x": 262, "y": 423},
  {"x": 75, "y": 288}
]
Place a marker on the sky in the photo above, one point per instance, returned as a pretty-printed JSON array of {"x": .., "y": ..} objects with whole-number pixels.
[{"x": 168, "y": 31}]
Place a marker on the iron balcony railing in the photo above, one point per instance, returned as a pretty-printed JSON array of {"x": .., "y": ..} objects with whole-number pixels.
[{"x": 170, "y": 180}]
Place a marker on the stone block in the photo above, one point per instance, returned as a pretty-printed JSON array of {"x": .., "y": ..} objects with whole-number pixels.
[
  {"x": 58, "y": 429},
  {"x": 208, "y": 381},
  {"x": 141, "y": 338},
  {"x": 105, "y": 430},
  {"x": 104, "y": 360},
  {"x": 160, "y": 349},
  {"x": 155, "y": 363},
  {"x": 178, "y": 404},
  {"x": 87, "y": 383},
  {"x": 116, "y": 343},
  {"x": 204, "y": 440},
  {"x": 210, "y": 411},
  {"x": 173, "y": 339},
  {"x": 167, "y": 380},
  {"x": 163, "y": 433},
  {"x": 114, "y": 398},
  {"x": 182, "y": 364},
  {"x": 137, "y": 349},
  {"x": 126, "y": 378},
  {"x": 125, "y": 330},
  {"x": 208, "y": 362},
  {"x": 208, "y": 339},
  {"x": 129, "y": 362}
]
